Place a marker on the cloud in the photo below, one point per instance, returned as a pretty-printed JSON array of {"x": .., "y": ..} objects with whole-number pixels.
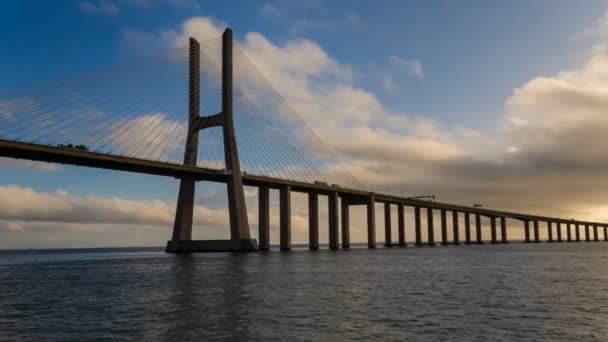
[
  {"x": 413, "y": 66},
  {"x": 151, "y": 136},
  {"x": 105, "y": 7},
  {"x": 563, "y": 118},
  {"x": 351, "y": 120},
  {"x": 27, "y": 205},
  {"x": 10, "y": 110},
  {"x": 599, "y": 28},
  {"x": 28, "y": 164},
  {"x": 10, "y": 107},
  {"x": 269, "y": 10},
  {"x": 388, "y": 83}
]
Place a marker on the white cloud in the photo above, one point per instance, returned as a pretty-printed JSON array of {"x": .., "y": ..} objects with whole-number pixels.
[
  {"x": 563, "y": 117},
  {"x": 9, "y": 107},
  {"x": 27, "y": 205},
  {"x": 599, "y": 28},
  {"x": 148, "y": 136},
  {"x": 349, "y": 119},
  {"x": 27, "y": 164},
  {"x": 413, "y": 66},
  {"x": 106, "y": 7},
  {"x": 269, "y": 10},
  {"x": 388, "y": 84}
]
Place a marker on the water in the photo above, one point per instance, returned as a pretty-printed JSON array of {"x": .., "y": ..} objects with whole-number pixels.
[{"x": 544, "y": 292}]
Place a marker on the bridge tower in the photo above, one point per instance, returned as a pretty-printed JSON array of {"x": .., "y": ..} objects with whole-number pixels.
[{"x": 240, "y": 239}]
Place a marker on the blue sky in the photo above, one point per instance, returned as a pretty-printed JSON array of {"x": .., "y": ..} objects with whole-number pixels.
[
  {"x": 471, "y": 49},
  {"x": 451, "y": 65}
]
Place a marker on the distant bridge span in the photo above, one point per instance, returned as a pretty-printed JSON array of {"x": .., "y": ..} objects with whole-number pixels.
[{"x": 28, "y": 151}]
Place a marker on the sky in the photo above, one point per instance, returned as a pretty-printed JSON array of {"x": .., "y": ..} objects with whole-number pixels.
[{"x": 499, "y": 103}]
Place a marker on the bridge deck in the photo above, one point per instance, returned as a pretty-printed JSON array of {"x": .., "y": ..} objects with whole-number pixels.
[{"x": 22, "y": 150}]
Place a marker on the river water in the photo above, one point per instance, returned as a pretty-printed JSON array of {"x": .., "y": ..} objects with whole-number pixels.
[{"x": 514, "y": 292}]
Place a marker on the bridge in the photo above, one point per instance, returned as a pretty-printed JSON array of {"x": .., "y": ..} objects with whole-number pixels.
[{"x": 87, "y": 120}]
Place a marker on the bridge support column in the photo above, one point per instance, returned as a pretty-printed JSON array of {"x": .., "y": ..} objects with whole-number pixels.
[
  {"x": 536, "y": 232},
  {"x": 332, "y": 201},
  {"x": 387, "y": 225},
  {"x": 467, "y": 228},
  {"x": 418, "y": 226},
  {"x": 444, "y": 227},
  {"x": 401, "y": 223},
  {"x": 240, "y": 239},
  {"x": 493, "y": 230},
  {"x": 559, "y": 232},
  {"x": 577, "y": 232},
  {"x": 430, "y": 227},
  {"x": 371, "y": 221},
  {"x": 313, "y": 221},
  {"x": 527, "y": 231},
  {"x": 285, "y": 217},
  {"x": 239, "y": 226},
  {"x": 264, "y": 218},
  {"x": 596, "y": 237},
  {"x": 455, "y": 227},
  {"x": 587, "y": 235},
  {"x": 549, "y": 231},
  {"x": 503, "y": 230},
  {"x": 568, "y": 232},
  {"x": 182, "y": 228},
  {"x": 478, "y": 229},
  {"x": 605, "y": 233},
  {"x": 345, "y": 224}
]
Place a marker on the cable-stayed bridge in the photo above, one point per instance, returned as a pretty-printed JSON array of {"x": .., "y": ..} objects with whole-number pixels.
[{"x": 205, "y": 112}]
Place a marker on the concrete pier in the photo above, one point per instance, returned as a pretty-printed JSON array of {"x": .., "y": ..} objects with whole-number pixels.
[
  {"x": 559, "y": 232},
  {"x": 371, "y": 221},
  {"x": 430, "y": 227},
  {"x": 478, "y": 229},
  {"x": 401, "y": 223},
  {"x": 549, "y": 231},
  {"x": 182, "y": 226},
  {"x": 467, "y": 229},
  {"x": 237, "y": 209},
  {"x": 313, "y": 221},
  {"x": 417, "y": 226},
  {"x": 596, "y": 237},
  {"x": 240, "y": 238},
  {"x": 345, "y": 224},
  {"x": 444, "y": 227},
  {"x": 577, "y": 232},
  {"x": 527, "y": 231},
  {"x": 569, "y": 232},
  {"x": 587, "y": 235},
  {"x": 455, "y": 227},
  {"x": 536, "y": 232},
  {"x": 263, "y": 218},
  {"x": 388, "y": 241},
  {"x": 503, "y": 230},
  {"x": 493, "y": 230},
  {"x": 605, "y": 233},
  {"x": 332, "y": 206},
  {"x": 285, "y": 217}
]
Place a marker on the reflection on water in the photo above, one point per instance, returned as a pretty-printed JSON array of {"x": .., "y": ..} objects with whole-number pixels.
[{"x": 506, "y": 292}]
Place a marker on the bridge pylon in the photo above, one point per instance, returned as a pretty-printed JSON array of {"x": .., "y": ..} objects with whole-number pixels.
[{"x": 240, "y": 238}]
